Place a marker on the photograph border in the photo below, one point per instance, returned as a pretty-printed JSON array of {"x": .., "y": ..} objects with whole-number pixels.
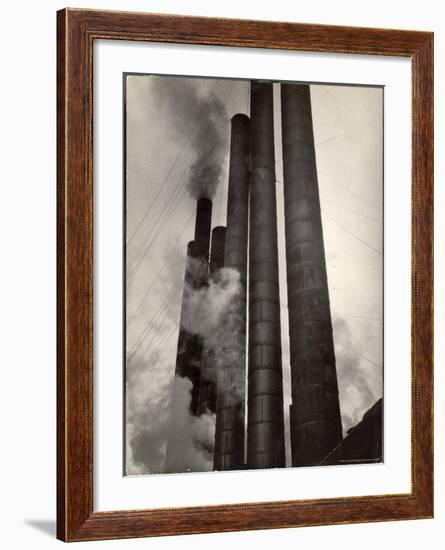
[{"x": 76, "y": 31}]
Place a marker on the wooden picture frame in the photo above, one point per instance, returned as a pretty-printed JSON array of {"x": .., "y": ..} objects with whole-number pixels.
[{"x": 77, "y": 31}]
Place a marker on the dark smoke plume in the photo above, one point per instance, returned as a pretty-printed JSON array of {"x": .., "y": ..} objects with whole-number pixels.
[{"x": 202, "y": 123}]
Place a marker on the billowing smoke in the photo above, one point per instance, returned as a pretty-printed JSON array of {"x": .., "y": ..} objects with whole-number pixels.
[
  {"x": 148, "y": 392},
  {"x": 158, "y": 404},
  {"x": 152, "y": 412},
  {"x": 360, "y": 382},
  {"x": 202, "y": 123},
  {"x": 206, "y": 306},
  {"x": 213, "y": 314},
  {"x": 158, "y": 411}
]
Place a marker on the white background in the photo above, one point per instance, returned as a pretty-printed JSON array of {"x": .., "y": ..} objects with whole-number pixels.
[{"x": 28, "y": 271}]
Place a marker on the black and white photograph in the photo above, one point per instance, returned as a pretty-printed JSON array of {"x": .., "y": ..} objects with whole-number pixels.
[{"x": 253, "y": 274}]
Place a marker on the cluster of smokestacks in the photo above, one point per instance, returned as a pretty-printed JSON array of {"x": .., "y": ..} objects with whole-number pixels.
[{"x": 249, "y": 246}]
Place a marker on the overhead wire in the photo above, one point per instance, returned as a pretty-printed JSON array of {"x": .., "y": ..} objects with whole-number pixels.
[
  {"x": 323, "y": 175},
  {"x": 175, "y": 196},
  {"x": 350, "y": 210},
  {"x": 166, "y": 214},
  {"x": 351, "y": 233},
  {"x": 146, "y": 330},
  {"x": 163, "y": 323},
  {"x": 163, "y": 265},
  {"x": 376, "y": 319},
  {"x": 370, "y": 360},
  {"x": 161, "y": 348},
  {"x": 161, "y": 187}
]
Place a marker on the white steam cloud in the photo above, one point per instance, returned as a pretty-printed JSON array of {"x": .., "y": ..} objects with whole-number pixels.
[
  {"x": 213, "y": 313},
  {"x": 158, "y": 404},
  {"x": 158, "y": 412}
]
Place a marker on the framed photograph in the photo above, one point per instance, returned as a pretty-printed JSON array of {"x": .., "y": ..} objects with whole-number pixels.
[{"x": 245, "y": 228}]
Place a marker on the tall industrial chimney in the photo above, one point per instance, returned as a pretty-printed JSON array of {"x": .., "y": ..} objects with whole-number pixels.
[
  {"x": 217, "y": 250},
  {"x": 190, "y": 348},
  {"x": 265, "y": 431},
  {"x": 188, "y": 356},
  {"x": 207, "y": 385},
  {"x": 202, "y": 228},
  {"x": 315, "y": 421},
  {"x": 229, "y": 431}
]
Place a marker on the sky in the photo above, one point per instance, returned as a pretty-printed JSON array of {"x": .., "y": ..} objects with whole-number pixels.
[{"x": 177, "y": 139}]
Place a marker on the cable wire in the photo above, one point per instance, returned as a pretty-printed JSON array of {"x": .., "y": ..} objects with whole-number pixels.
[
  {"x": 165, "y": 216},
  {"x": 161, "y": 187},
  {"x": 351, "y": 233}
]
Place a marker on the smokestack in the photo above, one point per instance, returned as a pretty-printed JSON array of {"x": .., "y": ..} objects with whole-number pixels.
[
  {"x": 207, "y": 387},
  {"x": 218, "y": 249},
  {"x": 229, "y": 430},
  {"x": 315, "y": 421},
  {"x": 202, "y": 228},
  {"x": 265, "y": 431},
  {"x": 189, "y": 354}
]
